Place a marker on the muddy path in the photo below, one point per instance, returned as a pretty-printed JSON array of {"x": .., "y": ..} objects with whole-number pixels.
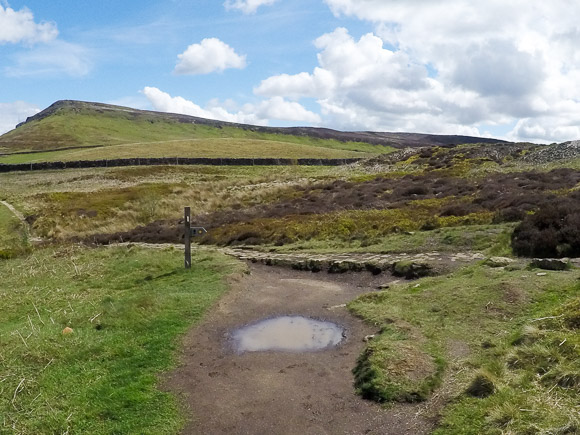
[{"x": 279, "y": 392}]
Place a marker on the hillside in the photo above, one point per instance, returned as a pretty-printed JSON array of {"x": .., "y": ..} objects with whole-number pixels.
[
  {"x": 74, "y": 124},
  {"x": 464, "y": 341}
]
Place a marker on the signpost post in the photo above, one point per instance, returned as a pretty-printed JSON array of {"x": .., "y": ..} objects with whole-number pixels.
[
  {"x": 187, "y": 222},
  {"x": 190, "y": 231}
]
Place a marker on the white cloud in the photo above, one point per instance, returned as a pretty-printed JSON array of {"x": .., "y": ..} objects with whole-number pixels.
[
  {"x": 247, "y": 6},
  {"x": 14, "y": 113},
  {"x": 53, "y": 59},
  {"x": 19, "y": 26},
  {"x": 361, "y": 85},
  {"x": 280, "y": 109},
  {"x": 209, "y": 56},
  {"x": 257, "y": 114},
  {"x": 451, "y": 65}
]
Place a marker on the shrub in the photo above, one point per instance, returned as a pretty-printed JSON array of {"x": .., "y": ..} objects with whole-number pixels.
[{"x": 554, "y": 231}]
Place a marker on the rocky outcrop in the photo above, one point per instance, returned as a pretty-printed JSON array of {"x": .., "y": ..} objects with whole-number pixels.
[{"x": 551, "y": 153}]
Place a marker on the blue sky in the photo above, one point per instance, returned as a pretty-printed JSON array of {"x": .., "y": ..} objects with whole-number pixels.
[{"x": 452, "y": 66}]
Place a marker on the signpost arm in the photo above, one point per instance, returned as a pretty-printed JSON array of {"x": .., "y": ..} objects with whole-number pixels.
[{"x": 187, "y": 222}]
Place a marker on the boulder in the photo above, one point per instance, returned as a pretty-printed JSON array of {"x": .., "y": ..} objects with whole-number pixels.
[
  {"x": 411, "y": 269},
  {"x": 551, "y": 263}
]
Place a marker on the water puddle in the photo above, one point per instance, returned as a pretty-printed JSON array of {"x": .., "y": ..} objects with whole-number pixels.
[{"x": 287, "y": 334}]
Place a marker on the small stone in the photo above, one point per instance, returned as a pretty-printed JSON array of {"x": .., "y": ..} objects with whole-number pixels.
[
  {"x": 368, "y": 338},
  {"x": 541, "y": 274},
  {"x": 67, "y": 331},
  {"x": 383, "y": 286},
  {"x": 498, "y": 261}
]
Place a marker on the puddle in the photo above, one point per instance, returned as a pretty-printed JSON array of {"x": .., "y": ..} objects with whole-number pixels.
[{"x": 287, "y": 334}]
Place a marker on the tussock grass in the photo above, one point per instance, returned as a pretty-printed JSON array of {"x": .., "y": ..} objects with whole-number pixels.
[
  {"x": 126, "y": 308},
  {"x": 65, "y": 202},
  {"x": 470, "y": 307},
  {"x": 504, "y": 342}
]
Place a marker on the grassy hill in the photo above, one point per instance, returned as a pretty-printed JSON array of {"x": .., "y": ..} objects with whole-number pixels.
[
  {"x": 121, "y": 132},
  {"x": 129, "y": 133}
]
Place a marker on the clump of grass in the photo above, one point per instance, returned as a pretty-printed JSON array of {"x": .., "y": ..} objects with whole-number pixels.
[
  {"x": 481, "y": 386},
  {"x": 126, "y": 307},
  {"x": 395, "y": 367}
]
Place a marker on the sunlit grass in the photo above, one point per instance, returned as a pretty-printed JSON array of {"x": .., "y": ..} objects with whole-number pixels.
[{"x": 126, "y": 308}]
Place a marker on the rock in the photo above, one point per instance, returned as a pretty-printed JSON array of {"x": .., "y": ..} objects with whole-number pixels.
[
  {"x": 541, "y": 274},
  {"x": 411, "y": 269},
  {"x": 373, "y": 267},
  {"x": 498, "y": 261},
  {"x": 551, "y": 263},
  {"x": 368, "y": 338},
  {"x": 345, "y": 266},
  {"x": 67, "y": 331},
  {"x": 383, "y": 286}
]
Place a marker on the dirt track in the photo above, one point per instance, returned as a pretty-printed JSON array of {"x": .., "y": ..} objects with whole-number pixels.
[{"x": 277, "y": 392}]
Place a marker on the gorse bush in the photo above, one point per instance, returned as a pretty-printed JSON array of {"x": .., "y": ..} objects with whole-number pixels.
[{"x": 554, "y": 231}]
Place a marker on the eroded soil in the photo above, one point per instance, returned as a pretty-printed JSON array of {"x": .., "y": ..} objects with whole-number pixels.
[{"x": 279, "y": 392}]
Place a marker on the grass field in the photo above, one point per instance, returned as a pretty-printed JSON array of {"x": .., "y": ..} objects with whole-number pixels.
[
  {"x": 127, "y": 308},
  {"x": 213, "y": 147},
  {"x": 477, "y": 332}
]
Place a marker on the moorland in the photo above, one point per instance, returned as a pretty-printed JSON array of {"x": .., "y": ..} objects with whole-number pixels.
[{"x": 485, "y": 345}]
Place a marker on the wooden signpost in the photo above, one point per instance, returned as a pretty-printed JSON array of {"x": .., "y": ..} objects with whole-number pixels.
[{"x": 189, "y": 232}]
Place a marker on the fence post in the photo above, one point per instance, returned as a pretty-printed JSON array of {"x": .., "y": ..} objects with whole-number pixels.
[{"x": 187, "y": 222}]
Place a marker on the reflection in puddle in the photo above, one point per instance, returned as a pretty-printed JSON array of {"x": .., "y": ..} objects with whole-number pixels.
[{"x": 287, "y": 333}]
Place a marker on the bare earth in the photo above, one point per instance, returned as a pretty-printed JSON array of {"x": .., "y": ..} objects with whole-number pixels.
[{"x": 278, "y": 392}]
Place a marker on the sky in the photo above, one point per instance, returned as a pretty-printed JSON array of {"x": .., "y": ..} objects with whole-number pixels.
[{"x": 505, "y": 69}]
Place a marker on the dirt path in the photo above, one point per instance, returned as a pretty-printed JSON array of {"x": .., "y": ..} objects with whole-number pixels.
[
  {"x": 15, "y": 212},
  {"x": 22, "y": 219},
  {"x": 277, "y": 392}
]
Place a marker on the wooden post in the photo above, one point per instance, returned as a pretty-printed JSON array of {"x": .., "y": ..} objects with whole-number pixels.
[{"x": 187, "y": 222}]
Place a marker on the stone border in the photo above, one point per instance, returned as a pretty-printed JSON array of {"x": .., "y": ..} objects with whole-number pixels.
[{"x": 173, "y": 161}]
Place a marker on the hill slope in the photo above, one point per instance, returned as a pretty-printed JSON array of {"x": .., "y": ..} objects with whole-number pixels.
[{"x": 77, "y": 124}]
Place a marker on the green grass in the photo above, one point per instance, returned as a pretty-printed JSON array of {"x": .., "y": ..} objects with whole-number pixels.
[
  {"x": 13, "y": 234},
  {"x": 219, "y": 147},
  {"x": 149, "y": 135},
  {"x": 491, "y": 239},
  {"x": 449, "y": 330},
  {"x": 535, "y": 372},
  {"x": 127, "y": 308}
]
